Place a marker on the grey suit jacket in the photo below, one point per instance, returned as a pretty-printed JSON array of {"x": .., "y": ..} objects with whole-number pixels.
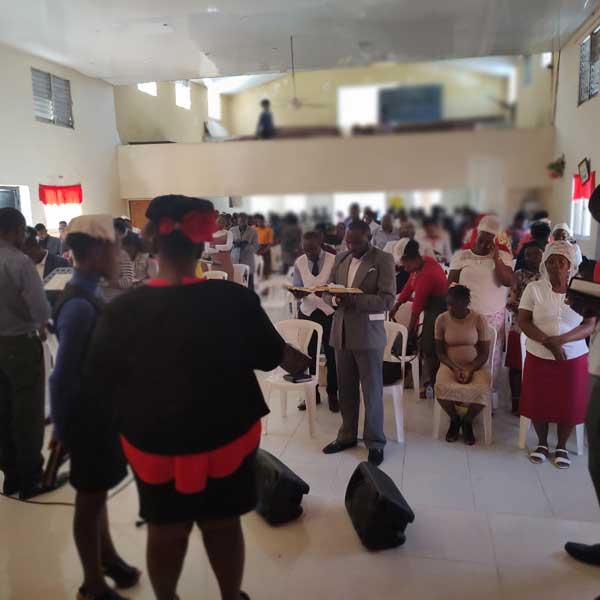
[
  {"x": 360, "y": 327},
  {"x": 245, "y": 255},
  {"x": 52, "y": 244}
]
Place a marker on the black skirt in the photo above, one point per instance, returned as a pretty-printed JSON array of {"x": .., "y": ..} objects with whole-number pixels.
[
  {"x": 97, "y": 462},
  {"x": 222, "y": 498}
]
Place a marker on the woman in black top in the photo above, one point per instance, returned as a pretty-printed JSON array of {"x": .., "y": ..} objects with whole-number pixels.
[{"x": 177, "y": 359}]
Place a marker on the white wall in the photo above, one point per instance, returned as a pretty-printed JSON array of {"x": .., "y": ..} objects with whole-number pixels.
[
  {"x": 145, "y": 118},
  {"x": 577, "y": 134},
  {"x": 32, "y": 152},
  {"x": 493, "y": 162}
]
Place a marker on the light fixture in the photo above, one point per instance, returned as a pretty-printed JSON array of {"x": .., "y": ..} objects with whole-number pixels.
[{"x": 212, "y": 10}]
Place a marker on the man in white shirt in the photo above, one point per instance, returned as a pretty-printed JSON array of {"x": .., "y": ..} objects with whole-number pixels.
[
  {"x": 359, "y": 338},
  {"x": 386, "y": 233},
  {"x": 313, "y": 269}
]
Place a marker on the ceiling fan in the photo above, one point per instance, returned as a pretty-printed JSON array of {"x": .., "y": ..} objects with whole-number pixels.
[{"x": 296, "y": 103}]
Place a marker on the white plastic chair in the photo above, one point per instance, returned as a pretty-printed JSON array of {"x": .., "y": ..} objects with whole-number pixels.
[
  {"x": 276, "y": 259},
  {"x": 273, "y": 292},
  {"x": 297, "y": 333},
  {"x": 215, "y": 275},
  {"x": 403, "y": 318},
  {"x": 487, "y": 411},
  {"x": 241, "y": 273},
  {"x": 392, "y": 330},
  {"x": 525, "y": 423}
]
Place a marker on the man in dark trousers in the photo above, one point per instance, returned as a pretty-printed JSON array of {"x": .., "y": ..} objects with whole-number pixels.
[
  {"x": 24, "y": 313},
  {"x": 44, "y": 261},
  {"x": 313, "y": 269},
  {"x": 589, "y": 306},
  {"x": 97, "y": 461},
  {"x": 359, "y": 338}
]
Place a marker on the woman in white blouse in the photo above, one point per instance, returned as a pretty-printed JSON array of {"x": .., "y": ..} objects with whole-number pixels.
[
  {"x": 220, "y": 247},
  {"x": 555, "y": 380},
  {"x": 487, "y": 271}
]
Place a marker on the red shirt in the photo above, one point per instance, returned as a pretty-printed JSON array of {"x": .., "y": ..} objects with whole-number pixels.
[{"x": 429, "y": 281}]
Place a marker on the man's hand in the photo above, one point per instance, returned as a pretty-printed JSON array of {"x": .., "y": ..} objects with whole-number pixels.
[
  {"x": 299, "y": 295},
  {"x": 43, "y": 332},
  {"x": 294, "y": 361},
  {"x": 345, "y": 300}
]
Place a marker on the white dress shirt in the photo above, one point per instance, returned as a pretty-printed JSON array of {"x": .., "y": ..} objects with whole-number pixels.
[
  {"x": 354, "y": 266},
  {"x": 42, "y": 265}
]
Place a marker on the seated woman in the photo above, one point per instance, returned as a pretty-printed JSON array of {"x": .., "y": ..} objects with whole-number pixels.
[
  {"x": 555, "y": 379},
  {"x": 462, "y": 341},
  {"x": 190, "y": 439}
]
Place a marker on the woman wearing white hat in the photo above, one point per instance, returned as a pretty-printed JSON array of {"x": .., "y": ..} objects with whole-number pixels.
[
  {"x": 486, "y": 269},
  {"x": 561, "y": 232},
  {"x": 555, "y": 382}
]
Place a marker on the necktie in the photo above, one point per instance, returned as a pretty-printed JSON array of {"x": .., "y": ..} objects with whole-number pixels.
[{"x": 315, "y": 268}]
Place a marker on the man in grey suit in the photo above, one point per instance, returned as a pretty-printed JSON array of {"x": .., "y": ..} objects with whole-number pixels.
[
  {"x": 47, "y": 242},
  {"x": 359, "y": 338},
  {"x": 245, "y": 245}
]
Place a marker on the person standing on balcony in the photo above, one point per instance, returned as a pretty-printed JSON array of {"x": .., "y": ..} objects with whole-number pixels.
[{"x": 265, "y": 130}]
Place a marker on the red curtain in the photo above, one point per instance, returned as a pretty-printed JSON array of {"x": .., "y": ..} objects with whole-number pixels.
[
  {"x": 61, "y": 194},
  {"x": 583, "y": 190}
]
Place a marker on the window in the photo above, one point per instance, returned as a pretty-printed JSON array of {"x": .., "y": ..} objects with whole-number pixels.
[
  {"x": 183, "y": 96},
  {"x": 589, "y": 66},
  {"x": 149, "y": 87},
  {"x": 357, "y": 105},
  {"x": 581, "y": 222},
  {"x": 10, "y": 197},
  {"x": 214, "y": 103},
  {"x": 52, "y": 99}
]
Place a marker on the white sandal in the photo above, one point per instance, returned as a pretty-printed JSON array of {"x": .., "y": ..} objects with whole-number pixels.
[
  {"x": 561, "y": 459},
  {"x": 539, "y": 456}
]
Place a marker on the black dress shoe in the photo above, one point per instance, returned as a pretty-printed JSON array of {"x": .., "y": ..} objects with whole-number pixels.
[
  {"x": 302, "y": 405},
  {"x": 336, "y": 447},
  {"x": 376, "y": 456},
  {"x": 334, "y": 406},
  {"x": 11, "y": 485},
  {"x": 468, "y": 435},
  {"x": 454, "y": 429},
  {"x": 109, "y": 594},
  {"x": 39, "y": 488},
  {"x": 125, "y": 576},
  {"x": 585, "y": 553}
]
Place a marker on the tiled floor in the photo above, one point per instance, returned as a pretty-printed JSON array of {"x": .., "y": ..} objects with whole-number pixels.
[{"x": 489, "y": 525}]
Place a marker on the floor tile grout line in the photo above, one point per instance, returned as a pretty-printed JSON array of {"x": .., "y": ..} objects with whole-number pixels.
[
  {"x": 539, "y": 478},
  {"x": 492, "y": 541}
]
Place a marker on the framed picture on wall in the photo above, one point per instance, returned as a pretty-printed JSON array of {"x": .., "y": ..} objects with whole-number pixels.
[{"x": 584, "y": 170}]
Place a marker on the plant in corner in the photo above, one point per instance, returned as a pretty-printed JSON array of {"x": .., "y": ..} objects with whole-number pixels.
[{"x": 556, "y": 169}]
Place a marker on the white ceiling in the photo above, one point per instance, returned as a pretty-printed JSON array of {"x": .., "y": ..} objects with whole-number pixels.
[{"x": 126, "y": 41}]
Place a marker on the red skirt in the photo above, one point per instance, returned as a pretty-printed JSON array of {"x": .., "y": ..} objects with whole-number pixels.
[
  {"x": 514, "y": 360},
  {"x": 555, "y": 391}
]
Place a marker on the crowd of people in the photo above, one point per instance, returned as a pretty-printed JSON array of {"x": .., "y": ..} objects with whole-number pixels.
[{"x": 139, "y": 308}]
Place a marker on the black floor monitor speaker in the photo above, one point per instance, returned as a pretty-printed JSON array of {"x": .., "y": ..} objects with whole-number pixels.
[
  {"x": 280, "y": 490},
  {"x": 378, "y": 510}
]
